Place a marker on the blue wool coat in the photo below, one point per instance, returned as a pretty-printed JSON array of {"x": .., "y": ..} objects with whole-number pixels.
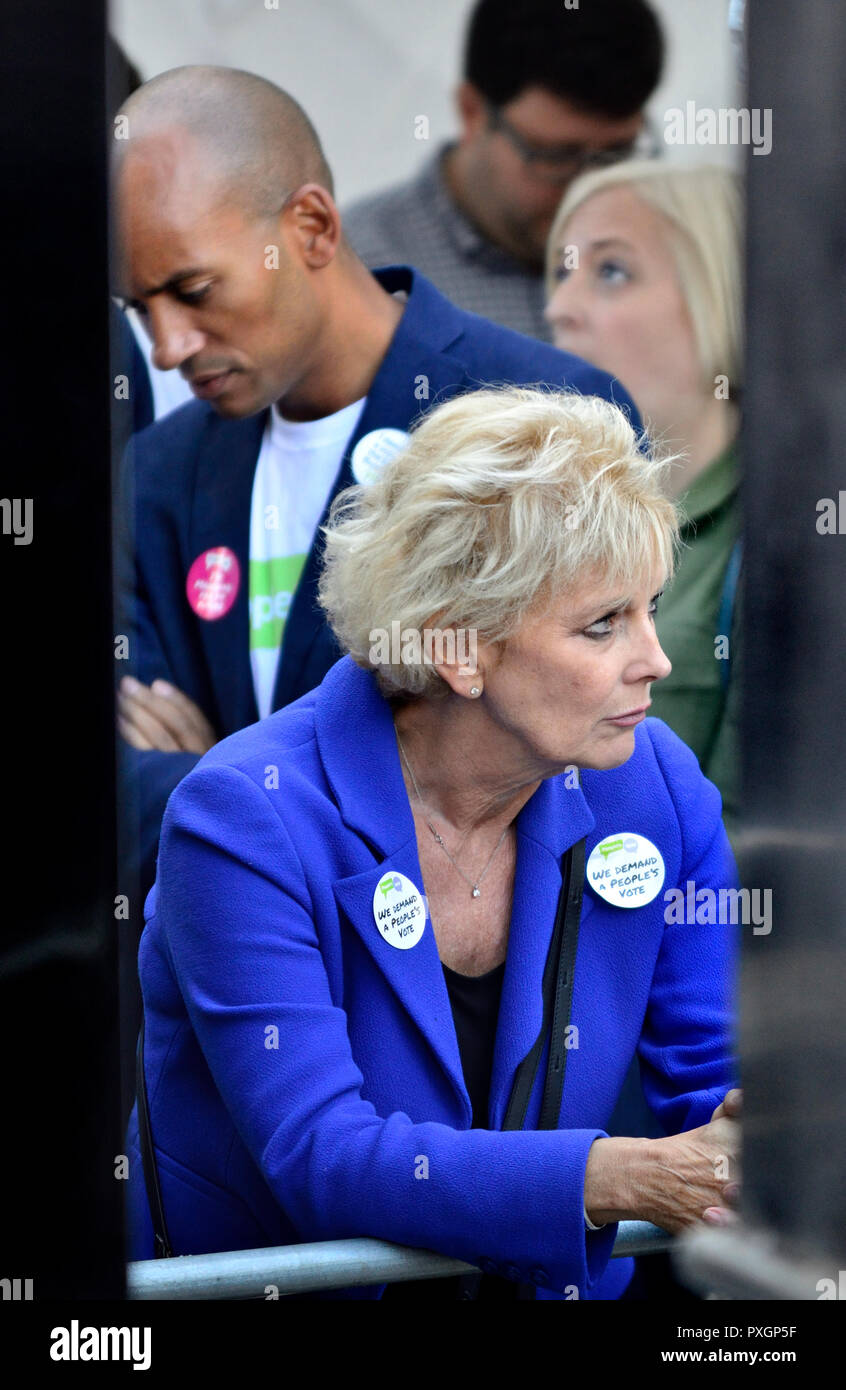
[{"x": 262, "y": 919}]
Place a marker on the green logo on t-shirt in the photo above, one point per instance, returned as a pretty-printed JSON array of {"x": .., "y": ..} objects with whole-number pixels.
[{"x": 273, "y": 584}]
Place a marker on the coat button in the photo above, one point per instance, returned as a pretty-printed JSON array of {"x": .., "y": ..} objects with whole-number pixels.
[
  {"x": 512, "y": 1272},
  {"x": 539, "y": 1276}
]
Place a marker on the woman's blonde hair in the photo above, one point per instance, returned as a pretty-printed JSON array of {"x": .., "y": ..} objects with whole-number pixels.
[
  {"x": 704, "y": 212},
  {"x": 503, "y": 498}
]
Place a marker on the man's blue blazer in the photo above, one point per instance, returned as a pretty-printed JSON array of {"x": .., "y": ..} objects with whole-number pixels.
[
  {"x": 299, "y": 1066},
  {"x": 192, "y": 482}
]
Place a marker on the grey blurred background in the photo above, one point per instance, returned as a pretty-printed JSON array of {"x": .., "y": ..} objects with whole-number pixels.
[{"x": 364, "y": 69}]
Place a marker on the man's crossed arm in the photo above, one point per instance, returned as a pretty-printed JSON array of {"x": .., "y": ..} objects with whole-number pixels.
[{"x": 160, "y": 717}]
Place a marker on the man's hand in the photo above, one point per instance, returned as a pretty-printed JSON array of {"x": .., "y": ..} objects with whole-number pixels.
[{"x": 159, "y": 716}]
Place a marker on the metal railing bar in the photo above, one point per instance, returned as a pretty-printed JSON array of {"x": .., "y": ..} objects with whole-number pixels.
[{"x": 323, "y": 1265}]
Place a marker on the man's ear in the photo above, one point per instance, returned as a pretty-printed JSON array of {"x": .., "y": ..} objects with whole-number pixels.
[
  {"x": 312, "y": 219},
  {"x": 472, "y": 111}
]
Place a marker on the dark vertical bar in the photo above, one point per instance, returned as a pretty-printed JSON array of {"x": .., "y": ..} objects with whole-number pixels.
[
  {"x": 793, "y": 842},
  {"x": 62, "y": 1223},
  {"x": 794, "y": 979}
]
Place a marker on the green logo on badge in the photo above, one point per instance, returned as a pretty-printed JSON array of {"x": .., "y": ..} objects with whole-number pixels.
[{"x": 610, "y": 847}]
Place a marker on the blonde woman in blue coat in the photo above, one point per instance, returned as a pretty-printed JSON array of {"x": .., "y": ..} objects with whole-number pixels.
[{"x": 375, "y": 908}]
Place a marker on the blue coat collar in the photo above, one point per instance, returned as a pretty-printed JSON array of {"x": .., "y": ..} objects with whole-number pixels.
[{"x": 357, "y": 745}]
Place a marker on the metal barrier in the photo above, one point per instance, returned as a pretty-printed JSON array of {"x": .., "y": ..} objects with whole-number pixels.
[{"x": 330, "y": 1264}]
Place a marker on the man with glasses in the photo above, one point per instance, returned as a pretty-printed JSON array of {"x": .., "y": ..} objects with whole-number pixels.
[{"x": 548, "y": 91}]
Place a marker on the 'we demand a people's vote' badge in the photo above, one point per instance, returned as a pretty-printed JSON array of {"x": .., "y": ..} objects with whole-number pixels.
[
  {"x": 399, "y": 911},
  {"x": 626, "y": 870}
]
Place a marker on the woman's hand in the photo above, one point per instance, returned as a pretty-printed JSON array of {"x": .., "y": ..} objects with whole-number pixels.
[
  {"x": 731, "y": 1105},
  {"x": 692, "y": 1176},
  {"x": 671, "y": 1182}
]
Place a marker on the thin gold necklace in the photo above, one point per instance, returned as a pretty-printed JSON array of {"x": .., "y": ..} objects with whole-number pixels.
[{"x": 475, "y": 889}]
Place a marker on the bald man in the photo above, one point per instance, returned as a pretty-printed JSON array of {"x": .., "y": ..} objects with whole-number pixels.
[{"x": 308, "y": 369}]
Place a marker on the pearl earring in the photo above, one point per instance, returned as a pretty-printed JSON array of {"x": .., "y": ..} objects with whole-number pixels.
[{"x": 474, "y": 690}]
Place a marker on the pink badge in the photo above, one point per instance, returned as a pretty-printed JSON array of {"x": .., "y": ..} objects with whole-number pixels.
[{"x": 213, "y": 583}]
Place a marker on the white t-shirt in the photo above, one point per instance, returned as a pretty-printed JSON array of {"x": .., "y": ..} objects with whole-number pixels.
[{"x": 297, "y": 465}]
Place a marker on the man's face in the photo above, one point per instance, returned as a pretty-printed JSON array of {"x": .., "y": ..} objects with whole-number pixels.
[
  {"x": 235, "y": 317},
  {"x": 517, "y": 197}
]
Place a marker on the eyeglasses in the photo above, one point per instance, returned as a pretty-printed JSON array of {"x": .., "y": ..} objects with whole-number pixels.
[{"x": 559, "y": 164}]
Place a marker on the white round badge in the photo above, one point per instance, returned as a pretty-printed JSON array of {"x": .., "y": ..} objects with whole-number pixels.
[
  {"x": 399, "y": 911},
  {"x": 626, "y": 870},
  {"x": 373, "y": 451}
]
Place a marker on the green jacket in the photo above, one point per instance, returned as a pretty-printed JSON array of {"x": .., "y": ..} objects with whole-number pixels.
[{"x": 693, "y": 699}]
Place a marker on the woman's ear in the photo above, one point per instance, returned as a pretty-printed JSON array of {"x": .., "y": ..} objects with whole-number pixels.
[{"x": 461, "y": 660}]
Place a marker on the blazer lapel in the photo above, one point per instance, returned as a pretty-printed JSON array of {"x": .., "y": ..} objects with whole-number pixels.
[
  {"x": 416, "y": 975},
  {"x": 416, "y": 371},
  {"x": 221, "y": 517},
  {"x": 358, "y": 749}
]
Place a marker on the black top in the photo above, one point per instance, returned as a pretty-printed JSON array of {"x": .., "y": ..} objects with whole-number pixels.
[{"x": 474, "y": 1001}]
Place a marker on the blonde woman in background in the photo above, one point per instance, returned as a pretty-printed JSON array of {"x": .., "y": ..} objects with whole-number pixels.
[{"x": 643, "y": 275}]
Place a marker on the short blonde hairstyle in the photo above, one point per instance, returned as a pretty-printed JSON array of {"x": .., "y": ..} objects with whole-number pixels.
[
  {"x": 703, "y": 209},
  {"x": 503, "y": 498}
]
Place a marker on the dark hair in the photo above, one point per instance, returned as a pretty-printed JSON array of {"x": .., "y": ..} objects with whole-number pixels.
[{"x": 604, "y": 57}]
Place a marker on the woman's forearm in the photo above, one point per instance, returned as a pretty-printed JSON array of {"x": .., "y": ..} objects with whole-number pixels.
[{"x": 613, "y": 1179}]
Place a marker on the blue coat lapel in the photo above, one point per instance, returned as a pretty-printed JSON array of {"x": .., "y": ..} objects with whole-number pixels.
[
  {"x": 416, "y": 362},
  {"x": 221, "y": 516},
  {"x": 355, "y": 735},
  {"x": 415, "y": 976}
]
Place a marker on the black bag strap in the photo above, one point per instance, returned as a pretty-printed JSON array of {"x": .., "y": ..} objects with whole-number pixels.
[
  {"x": 164, "y": 1250},
  {"x": 563, "y": 1002},
  {"x": 557, "y": 1002}
]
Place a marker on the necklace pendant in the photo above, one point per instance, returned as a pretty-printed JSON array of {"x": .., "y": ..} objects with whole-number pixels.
[{"x": 477, "y": 892}]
